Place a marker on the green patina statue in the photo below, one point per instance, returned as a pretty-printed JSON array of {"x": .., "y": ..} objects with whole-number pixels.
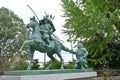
[
  {"x": 81, "y": 56},
  {"x": 47, "y": 29},
  {"x": 43, "y": 40}
]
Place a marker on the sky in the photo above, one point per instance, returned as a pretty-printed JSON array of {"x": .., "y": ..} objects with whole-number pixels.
[{"x": 19, "y": 7}]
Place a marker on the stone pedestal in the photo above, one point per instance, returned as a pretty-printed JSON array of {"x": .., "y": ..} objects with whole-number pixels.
[{"x": 75, "y": 74}]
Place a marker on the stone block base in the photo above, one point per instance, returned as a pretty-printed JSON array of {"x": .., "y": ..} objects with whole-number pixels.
[{"x": 60, "y": 76}]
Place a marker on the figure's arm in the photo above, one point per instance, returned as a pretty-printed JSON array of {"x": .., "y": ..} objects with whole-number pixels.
[
  {"x": 44, "y": 31},
  {"x": 73, "y": 52},
  {"x": 85, "y": 52}
]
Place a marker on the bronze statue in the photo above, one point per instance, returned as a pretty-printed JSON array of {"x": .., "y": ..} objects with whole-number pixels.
[
  {"x": 81, "y": 56},
  {"x": 38, "y": 42},
  {"x": 46, "y": 29},
  {"x": 43, "y": 40}
]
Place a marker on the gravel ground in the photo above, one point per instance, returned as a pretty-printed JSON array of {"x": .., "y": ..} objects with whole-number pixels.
[{"x": 108, "y": 78}]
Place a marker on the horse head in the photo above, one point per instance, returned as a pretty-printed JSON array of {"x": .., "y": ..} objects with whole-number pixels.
[{"x": 33, "y": 23}]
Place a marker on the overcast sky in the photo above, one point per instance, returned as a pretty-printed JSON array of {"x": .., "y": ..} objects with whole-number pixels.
[
  {"x": 39, "y": 6},
  {"x": 19, "y": 7}
]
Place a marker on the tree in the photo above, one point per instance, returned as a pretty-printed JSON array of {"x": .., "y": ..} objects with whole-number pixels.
[
  {"x": 12, "y": 33},
  {"x": 95, "y": 23},
  {"x": 23, "y": 65}
]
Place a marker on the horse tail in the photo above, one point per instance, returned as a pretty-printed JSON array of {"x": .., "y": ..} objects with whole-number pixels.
[
  {"x": 66, "y": 49},
  {"x": 59, "y": 46}
]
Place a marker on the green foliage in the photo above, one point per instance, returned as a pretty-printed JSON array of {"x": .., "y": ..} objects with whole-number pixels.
[
  {"x": 12, "y": 33},
  {"x": 35, "y": 64},
  {"x": 56, "y": 65},
  {"x": 46, "y": 65},
  {"x": 95, "y": 23},
  {"x": 21, "y": 65},
  {"x": 70, "y": 65}
]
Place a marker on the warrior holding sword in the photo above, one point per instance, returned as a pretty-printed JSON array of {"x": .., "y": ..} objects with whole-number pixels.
[{"x": 46, "y": 26}]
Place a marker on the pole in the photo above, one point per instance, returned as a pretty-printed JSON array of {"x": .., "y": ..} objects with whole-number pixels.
[
  {"x": 33, "y": 12},
  {"x": 71, "y": 44},
  {"x": 44, "y": 59}
]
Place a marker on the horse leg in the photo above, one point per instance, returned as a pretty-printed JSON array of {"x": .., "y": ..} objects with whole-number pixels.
[
  {"x": 21, "y": 49},
  {"x": 31, "y": 58},
  {"x": 61, "y": 59},
  {"x": 52, "y": 60},
  {"x": 26, "y": 42}
]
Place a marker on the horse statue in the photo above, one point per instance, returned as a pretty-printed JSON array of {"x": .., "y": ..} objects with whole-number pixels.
[{"x": 37, "y": 43}]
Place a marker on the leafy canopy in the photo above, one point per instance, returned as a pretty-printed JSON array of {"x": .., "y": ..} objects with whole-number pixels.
[
  {"x": 12, "y": 34},
  {"x": 95, "y": 23}
]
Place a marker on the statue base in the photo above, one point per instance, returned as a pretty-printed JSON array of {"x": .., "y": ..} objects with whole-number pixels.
[{"x": 67, "y": 74}]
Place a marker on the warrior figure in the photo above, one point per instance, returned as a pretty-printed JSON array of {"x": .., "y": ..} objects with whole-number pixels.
[
  {"x": 46, "y": 28},
  {"x": 81, "y": 56}
]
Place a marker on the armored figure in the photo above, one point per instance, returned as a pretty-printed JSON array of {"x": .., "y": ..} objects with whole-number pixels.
[
  {"x": 81, "y": 56},
  {"x": 46, "y": 28}
]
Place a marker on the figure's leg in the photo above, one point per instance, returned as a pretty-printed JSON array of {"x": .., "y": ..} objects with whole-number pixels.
[
  {"x": 52, "y": 60},
  {"x": 85, "y": 63},
  {"x": 82, "y": 65},
  {"x": 76, "y": 65},
  {"x": 31, "y": 58},
  {"x": 47, "y": 41}
]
